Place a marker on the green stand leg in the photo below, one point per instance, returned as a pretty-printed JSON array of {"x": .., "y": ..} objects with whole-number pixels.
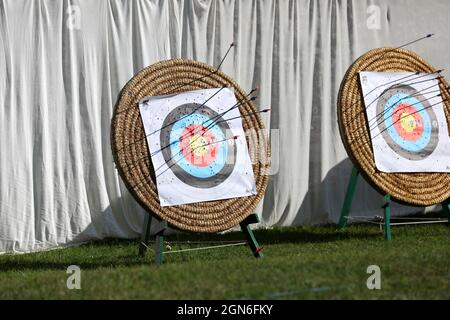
[
  {"x": 159, "y": 243},
  {"x": 387, "y": 217},
  {"x": 145, "y": 237},
  {"x": 446, "y": 208},
  {"x": 348, "y": 198},
  {"x": 245, "y": 227}
]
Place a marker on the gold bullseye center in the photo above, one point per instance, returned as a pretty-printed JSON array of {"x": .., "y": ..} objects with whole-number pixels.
[
  {"x": 408, "y": 122},
  {"x": 198, "y": 145}
]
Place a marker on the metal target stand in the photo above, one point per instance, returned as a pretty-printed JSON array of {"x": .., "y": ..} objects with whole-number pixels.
[
  {"x": 162, "y": 226},
  {"x": 386, "y": 220}
]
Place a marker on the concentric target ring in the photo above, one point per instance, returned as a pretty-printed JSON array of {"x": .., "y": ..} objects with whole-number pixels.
[
  {"x": 407, "y": 122},
  {"x": 198, "y": 121}
]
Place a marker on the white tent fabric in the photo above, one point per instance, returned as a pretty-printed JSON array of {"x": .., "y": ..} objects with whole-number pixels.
[{"x": 63, "y": 63}]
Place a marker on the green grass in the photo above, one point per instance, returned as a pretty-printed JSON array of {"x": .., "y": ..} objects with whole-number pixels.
[{"x": 299, "y": 263}]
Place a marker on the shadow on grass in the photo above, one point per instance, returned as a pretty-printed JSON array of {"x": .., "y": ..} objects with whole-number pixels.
[
  {"x": 278, "y": 235},
  {"x": 46, "y": 262},
  {"x": 116, "y": 253}
]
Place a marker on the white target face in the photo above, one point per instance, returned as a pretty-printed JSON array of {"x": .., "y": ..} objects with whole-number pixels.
[
  {"x": 197, "y": 146},
  {"x": 406, "y": 121}
]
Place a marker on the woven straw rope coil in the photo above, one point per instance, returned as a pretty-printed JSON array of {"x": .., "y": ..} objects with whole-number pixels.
[
  {"x": 132, "y": 158},
  {"x": 411, "y": 188}
]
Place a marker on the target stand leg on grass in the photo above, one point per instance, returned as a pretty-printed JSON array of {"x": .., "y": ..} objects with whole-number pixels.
[
  {"x": 346, "y": 207},
  {"x": 446, "y": 208},
  {"x": 159, "y": 237},
  {"x": 162, "y": 226}
]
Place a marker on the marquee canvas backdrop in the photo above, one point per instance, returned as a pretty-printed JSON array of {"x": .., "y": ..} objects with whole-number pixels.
[{"x": 63, "y": 63}]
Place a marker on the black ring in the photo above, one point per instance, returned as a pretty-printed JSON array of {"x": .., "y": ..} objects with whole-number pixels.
[
  {"x": 411, "y": 92},
  {"x": 171, "y": 159}
]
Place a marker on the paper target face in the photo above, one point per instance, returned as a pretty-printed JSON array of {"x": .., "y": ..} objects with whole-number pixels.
[
  {"x": 197, "y": 146},
  {"x": 406, "y": 121}
]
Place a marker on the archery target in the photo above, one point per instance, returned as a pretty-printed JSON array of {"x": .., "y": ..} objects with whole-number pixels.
[
  {"x": 406, "y": 122},
  {"x": 197, "y": 146}
]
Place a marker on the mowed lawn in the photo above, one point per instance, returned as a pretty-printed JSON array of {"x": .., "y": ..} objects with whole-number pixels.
[{"x": 299, "y": 263}]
